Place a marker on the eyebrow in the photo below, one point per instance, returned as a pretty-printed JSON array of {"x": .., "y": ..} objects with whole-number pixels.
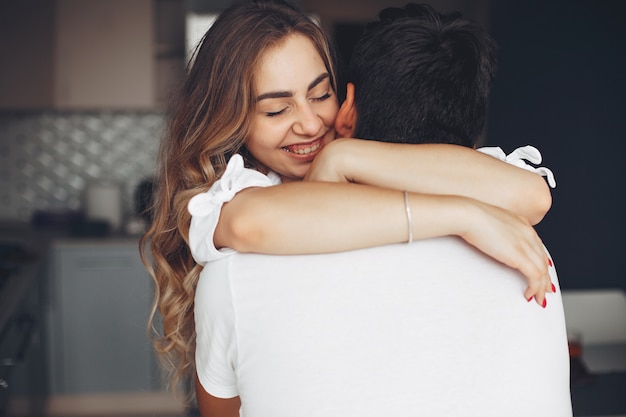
[{"x": 283, "y": 94}]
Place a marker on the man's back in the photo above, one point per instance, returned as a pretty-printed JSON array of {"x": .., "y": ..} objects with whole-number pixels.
[{"x": 434, "y": 328}]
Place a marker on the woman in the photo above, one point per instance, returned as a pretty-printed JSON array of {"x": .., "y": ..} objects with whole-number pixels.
[{"x": 271, "y": 105}]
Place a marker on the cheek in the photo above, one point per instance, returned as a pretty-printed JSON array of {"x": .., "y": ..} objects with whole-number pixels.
[
  {"x": 256, "y": 138},
  {"x": 265, "y": 133},
  {"x": 329, "y": 113}
]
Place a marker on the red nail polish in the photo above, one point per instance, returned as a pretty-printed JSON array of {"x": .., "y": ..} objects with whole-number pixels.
[
  {"x": 529, "y": 298},
  {"x": 553, "y": 288},
  {"x": 545, "y": 302},
  {"x": 549, "y": 261}
]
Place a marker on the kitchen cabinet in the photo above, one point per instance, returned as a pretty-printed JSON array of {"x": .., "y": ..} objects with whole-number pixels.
[
  {"x": 104, "y": 53},
  {"x": 90, "y": 54},
  {"x": 23, "y": 371},
  {"x": 100, "y": 299}
]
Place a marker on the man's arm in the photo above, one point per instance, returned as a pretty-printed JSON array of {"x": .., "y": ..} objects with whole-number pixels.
[
  {"x": 434, "y": 169},
  {"x": 211, "y": 406}
]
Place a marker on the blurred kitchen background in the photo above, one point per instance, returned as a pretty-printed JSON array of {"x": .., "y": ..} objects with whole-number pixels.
[{"x": 83, "y": 92}]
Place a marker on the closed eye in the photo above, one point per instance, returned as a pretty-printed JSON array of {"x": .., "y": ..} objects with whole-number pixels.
[
  {"x": 275, "y": 113},
  {"x": 322, "y": 98}
]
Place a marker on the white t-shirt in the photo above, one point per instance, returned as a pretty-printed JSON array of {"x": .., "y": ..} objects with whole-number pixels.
[{"x": 434, "y": 328}]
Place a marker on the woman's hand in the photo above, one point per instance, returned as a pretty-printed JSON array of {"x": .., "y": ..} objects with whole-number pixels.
[
  {"x": 330, "y": 165},
  {"x": 510, "y": 239}
]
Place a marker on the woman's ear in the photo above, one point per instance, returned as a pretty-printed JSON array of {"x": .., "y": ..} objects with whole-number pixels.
[{"x": 345, "y": 124}]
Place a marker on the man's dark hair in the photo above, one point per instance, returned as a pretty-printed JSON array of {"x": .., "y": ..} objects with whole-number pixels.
[{"x": 422, "y": 77}]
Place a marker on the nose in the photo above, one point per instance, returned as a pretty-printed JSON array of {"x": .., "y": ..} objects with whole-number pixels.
[{"x": 307, "y": 121}]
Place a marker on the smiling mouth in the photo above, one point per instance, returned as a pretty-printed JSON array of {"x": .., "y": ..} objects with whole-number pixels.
[{"x": 303, "y": 149}]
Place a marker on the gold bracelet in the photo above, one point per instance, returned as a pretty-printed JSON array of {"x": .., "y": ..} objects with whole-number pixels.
[{"x": 408, "y": 216}]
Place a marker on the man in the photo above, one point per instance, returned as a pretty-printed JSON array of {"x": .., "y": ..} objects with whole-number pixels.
[{"x": 434, "y": 328}]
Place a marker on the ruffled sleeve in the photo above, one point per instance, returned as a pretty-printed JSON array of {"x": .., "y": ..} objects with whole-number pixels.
[
  {"x": 205, "y": 208},
  {"x": 519, "y": 157}
]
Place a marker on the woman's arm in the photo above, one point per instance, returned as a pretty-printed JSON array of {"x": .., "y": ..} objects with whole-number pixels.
[
  {"x": 320, "y": 217},
  {"x": 211, "y": 406},
  {"x": 434, "y": 169}
]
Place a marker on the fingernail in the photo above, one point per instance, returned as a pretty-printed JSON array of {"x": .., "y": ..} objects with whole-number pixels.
[
  {"x": 553, "y": 288},
  {"x": 529, "y": 298},
  {"x": 549, "y": 261},
  {"x": 545, "y": 302}
]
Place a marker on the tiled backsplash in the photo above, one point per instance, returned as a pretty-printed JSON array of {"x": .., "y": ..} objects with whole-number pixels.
[{"x": 48, "y": 158}]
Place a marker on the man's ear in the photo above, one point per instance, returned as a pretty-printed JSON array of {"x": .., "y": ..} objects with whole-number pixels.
[{"x": 345, "y": 124}]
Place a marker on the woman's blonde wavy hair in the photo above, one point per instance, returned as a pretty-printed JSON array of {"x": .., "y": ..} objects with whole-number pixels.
[{"x": 208, "y": 123}]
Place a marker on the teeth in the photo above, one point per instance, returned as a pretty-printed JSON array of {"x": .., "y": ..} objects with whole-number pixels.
[{"x": 304, "y": 151}]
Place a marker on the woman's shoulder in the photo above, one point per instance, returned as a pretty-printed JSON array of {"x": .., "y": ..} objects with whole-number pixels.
[
  {"x": 205, "y": 208},
  {"x": 236, "y": 177}
]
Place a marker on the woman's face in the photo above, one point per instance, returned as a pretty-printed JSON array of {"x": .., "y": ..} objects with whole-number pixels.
[{"x": 295, "y": 110}]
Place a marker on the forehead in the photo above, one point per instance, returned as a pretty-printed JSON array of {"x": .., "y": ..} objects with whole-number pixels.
[{"x": 288, "y": 65}]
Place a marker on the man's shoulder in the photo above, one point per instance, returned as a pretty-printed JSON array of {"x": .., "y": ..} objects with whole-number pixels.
[{"x": 424, "y": 255}]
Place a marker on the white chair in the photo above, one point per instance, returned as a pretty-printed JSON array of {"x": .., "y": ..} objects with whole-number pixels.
[{"x": 599, "y": 316}]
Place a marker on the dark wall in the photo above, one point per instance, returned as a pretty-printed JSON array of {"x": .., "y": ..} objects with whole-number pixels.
[{"x": 561, "y": 87}]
